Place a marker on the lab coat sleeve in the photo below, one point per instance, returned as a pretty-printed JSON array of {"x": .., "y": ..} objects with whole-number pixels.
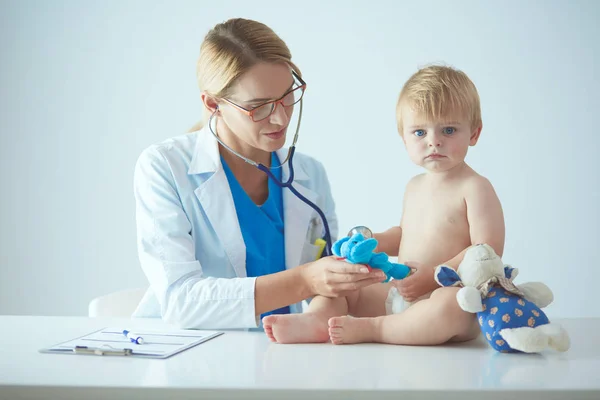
[{"x": 187, "y": 298}]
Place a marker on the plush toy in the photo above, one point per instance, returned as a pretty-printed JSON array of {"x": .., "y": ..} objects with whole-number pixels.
[
  {"x": 358, "y": 250},
  {"x": 510, "y": 316}
]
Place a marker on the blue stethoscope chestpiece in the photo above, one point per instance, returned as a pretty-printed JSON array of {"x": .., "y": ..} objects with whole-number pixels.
[{"x": 366, "y": 232}]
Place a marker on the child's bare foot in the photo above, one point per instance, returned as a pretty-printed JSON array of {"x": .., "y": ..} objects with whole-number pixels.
[
  {"x": 296, "y": 328},
  {"x": 269, "y": 328},
  {"x": 348, "y": 330}
]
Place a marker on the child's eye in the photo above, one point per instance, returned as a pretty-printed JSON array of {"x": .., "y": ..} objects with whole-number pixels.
[
  {"x": 419, "y": 132},
  {"x": 449, "y": 130}
]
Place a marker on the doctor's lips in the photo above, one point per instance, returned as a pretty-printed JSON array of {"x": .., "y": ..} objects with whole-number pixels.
[{"x": 276, "y": 135}]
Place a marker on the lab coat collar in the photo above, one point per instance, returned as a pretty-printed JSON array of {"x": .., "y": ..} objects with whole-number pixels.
[{"x": 206, "y": 153}]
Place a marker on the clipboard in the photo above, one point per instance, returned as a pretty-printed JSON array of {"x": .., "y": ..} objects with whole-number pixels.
[{"x": 112, "y": 342}]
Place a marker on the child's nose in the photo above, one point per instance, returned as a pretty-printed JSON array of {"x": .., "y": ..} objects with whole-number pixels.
[{"x": 435, "y": 140}]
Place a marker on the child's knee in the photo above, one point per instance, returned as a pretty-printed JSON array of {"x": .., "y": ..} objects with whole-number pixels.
[
  {"x": 468, "y": 330},
  {"x": 448, "y": 308},
  {"x": 352, "y": 301},
  {"x": 445, "y": 294}
]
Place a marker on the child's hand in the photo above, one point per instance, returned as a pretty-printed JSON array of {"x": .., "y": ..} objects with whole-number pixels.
[{"x": 417, "y": 284}]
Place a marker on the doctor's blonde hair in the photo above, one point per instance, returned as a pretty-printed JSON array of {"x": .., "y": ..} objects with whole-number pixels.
[
  {"x": 230, "y": 49},
  {"x": 436, "y": 91}
]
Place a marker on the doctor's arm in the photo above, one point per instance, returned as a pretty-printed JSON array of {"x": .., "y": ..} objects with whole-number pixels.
[
  {"x": 326, "y": 277},
  {"x": 188, "y": 298}
]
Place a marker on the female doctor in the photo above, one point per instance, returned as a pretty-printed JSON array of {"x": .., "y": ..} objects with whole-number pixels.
[{"x": 220, "y": 243}]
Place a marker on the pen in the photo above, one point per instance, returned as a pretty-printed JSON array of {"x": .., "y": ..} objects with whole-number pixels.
[
  {"x": 102, "y": 352},
  {"x": 132, "y": 337}
]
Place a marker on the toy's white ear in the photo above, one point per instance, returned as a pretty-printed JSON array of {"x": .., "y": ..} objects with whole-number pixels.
[{"x": 469, "y": 299}]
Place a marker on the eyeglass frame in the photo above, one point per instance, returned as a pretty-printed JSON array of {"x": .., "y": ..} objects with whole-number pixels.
[{"x": 250, "y": 113}]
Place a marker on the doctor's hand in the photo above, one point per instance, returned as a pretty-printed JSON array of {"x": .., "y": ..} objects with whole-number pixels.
[
  {"x": 420, "y": 282},
  {"x": 331, "y": 277}
]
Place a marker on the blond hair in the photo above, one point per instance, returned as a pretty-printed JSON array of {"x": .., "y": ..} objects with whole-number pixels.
[
  {"x": 436, "y": 91},
  {"x": 233, "y": 47}
]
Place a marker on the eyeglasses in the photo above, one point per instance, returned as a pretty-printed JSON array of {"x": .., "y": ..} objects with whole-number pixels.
[{"x": 263, "y": 111}]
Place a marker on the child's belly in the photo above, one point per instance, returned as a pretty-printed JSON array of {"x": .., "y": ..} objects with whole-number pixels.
[{"x": 416, "y": 244}]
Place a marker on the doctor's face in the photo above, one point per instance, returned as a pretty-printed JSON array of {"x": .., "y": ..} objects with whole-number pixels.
[{"x": 263, "y": 83}]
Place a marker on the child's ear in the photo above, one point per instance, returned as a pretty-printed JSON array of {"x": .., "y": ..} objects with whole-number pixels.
[{"x": 475, "y": 134}]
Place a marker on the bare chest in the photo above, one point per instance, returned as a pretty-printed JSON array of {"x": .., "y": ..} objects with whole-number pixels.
[
  {"x": 444, "y": 211},
  {"x": 434, "y": 227}
]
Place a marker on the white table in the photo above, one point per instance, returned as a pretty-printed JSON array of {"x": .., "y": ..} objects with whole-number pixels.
[{"x": 246, "y": 365}]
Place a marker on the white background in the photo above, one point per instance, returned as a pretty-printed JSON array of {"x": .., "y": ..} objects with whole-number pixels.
[{"x": 86, "y": 86}]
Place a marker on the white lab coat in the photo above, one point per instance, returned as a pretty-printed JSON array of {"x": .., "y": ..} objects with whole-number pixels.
[{"x": 189, "y": 240}]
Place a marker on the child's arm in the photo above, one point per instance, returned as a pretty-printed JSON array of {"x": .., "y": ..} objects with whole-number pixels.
[
  {"x": 389, "y": 241},
  {"x": 485, "y": 217}
]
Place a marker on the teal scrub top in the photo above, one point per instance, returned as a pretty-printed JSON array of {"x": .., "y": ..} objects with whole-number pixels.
[{"x": 262, "y": 227}]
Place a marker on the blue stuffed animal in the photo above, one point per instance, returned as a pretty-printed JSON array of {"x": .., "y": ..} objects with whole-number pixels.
[
  {"x": 509, "y": 315},
  {"x": 358, "y": 250}
]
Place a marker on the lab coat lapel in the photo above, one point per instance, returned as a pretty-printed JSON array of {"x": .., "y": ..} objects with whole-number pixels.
[
  {"x": 216, "y": 200},
  {"x": 297, "y": 214}
]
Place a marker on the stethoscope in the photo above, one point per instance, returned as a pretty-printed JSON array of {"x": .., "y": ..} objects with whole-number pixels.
[{"x": 288, "y": 184}]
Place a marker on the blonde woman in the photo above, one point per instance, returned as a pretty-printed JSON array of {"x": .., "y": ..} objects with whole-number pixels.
[{"x": 221, "y": 244}]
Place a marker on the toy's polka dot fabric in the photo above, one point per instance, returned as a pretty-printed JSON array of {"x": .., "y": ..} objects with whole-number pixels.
[{"x": 503, "y": 309}]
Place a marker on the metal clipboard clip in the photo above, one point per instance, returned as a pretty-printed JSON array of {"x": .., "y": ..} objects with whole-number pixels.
[{"x": 100, "y": 351}]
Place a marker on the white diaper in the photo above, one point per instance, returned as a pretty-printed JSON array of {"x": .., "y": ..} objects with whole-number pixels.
[{"x": 395, "y": 303}]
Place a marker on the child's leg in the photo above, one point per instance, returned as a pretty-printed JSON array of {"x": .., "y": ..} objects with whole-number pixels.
[
  {"x": 432, "y": 321},
  {"x": 308, "y": 327},
  {"x": 369, "y": 301},
  {"x": 311, "y": 326}
]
